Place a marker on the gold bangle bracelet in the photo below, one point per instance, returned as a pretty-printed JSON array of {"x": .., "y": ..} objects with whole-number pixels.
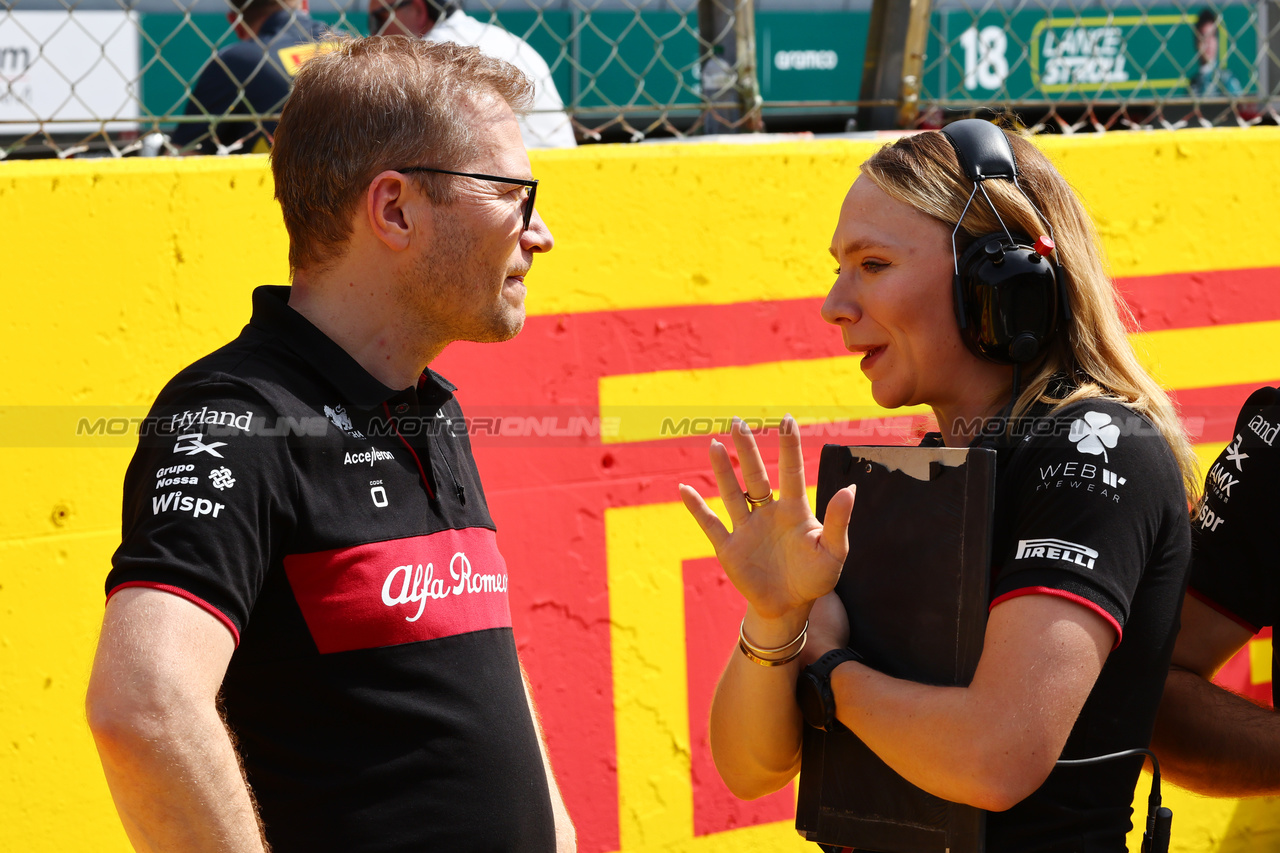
[
  {"x": 765, "y": 657},
  {"x": 755, "y": 658}
]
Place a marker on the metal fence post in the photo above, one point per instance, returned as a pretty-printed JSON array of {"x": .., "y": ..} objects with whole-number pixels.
[
  {"x": 726, "y": 29},
  {"x": 744, "y": 26},
  {"x": 913, "y": 62},
  {"x": 897, "y": 30}
]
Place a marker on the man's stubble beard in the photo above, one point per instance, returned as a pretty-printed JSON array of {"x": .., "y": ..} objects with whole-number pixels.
[{"x": 443, "y": 292}]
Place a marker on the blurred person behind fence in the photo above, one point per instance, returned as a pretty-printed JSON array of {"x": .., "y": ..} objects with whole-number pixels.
[
  {"x": 546, "y": 125},
  {"x": 307, "y": 642},
  {"x": 1211, "y": 79},
  {"x": 249, "y": 78}
]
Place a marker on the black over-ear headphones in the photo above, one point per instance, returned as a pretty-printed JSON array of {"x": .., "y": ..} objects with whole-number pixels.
[{"x": 1008, "y": 296}]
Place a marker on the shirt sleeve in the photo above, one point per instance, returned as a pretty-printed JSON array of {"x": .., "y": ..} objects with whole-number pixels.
[
  {"x": 1233, "y": 563},
  {"x": 1089, "y": 493},
  {"x": 207, "y": 500}
]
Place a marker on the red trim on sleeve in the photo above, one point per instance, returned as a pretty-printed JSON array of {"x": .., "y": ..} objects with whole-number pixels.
[
  {"x": 1209, "y": 602},
  {"x": 182, "y": 593},
  {"x": 1069, "y": 596}
]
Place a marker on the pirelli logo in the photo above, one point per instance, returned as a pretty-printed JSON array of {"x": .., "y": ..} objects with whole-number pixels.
[{"x": 1056, "y": 549}]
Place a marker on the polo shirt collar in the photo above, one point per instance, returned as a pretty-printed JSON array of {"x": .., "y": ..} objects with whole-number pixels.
[{"x": 273, "y": 315}]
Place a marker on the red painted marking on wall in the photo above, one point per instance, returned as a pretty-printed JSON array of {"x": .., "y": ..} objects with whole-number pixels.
[
  {"x": 1216, "y": 297},
  {"x": 712, "y": 611},
  {"x": 1210, "y": 413},
  {"x": 1235, "y": 674}
]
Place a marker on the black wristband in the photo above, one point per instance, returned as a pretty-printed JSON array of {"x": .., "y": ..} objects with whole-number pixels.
[{"x": 813, "y": 688}]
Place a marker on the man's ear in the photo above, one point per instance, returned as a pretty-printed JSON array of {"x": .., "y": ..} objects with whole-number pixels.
[{"x": 393, "y": 220}]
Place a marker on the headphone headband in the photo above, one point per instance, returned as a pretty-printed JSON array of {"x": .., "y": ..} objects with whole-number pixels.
[{"x": 982, "y": 149}]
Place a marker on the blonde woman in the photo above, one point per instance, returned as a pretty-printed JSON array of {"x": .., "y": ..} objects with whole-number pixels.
[{"x": 1091, "y": 528}]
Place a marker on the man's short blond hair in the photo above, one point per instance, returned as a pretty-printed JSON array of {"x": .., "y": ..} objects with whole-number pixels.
[{"x": 372, "y": 104}]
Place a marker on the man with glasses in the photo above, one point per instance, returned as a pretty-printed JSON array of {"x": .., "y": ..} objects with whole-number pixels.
[
  {"x": 307, "y": 641},
  {"x": 546, "y": 125}
]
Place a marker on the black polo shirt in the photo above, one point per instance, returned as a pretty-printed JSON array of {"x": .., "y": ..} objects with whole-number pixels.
[
  {"x": 340, "y": 532},
  {"x": 1090, "y": 507},
  {"x": 1234, "y": 567},
  {"x": 253, "y": 76}
]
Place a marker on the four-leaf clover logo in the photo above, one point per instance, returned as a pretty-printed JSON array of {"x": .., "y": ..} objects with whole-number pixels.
[{"x": 1094, "y": 433}]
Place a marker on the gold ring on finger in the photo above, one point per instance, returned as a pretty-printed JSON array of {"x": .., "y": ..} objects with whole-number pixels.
[{"x": 756, "y": 503}]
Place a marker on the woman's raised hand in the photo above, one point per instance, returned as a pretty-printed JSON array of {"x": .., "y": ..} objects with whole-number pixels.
[{"x": 778, "y": 555}]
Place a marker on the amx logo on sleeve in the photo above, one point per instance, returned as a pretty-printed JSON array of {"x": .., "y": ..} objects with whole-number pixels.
[{"x": 1056, "y": 549}]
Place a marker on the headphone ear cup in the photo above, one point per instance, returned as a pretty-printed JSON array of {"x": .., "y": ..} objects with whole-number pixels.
[{"x": 1009, "y": 297}]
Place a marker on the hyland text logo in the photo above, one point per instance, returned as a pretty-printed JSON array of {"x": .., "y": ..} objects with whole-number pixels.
[
  {"x": 1235, "y": 455},
  {"x": 1264, "y": 429},
  {"x": 193, "y": 443},
  {"x": 1056, "y": 549},
  {"x": 1094, "y": 434},
  {"x": 189, "y": 419}
]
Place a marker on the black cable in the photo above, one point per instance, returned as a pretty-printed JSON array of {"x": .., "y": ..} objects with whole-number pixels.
[{"x": 1159, "y": 819}]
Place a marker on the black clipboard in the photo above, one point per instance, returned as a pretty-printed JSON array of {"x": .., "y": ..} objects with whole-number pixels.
[{"x": 915, "y": 587}]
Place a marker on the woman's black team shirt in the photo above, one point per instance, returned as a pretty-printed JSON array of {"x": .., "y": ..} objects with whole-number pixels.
[
  {"x": 339, "y": 530},
  {"x": 1234, "y": 564},
  {"x": 1090, "y": 506}
]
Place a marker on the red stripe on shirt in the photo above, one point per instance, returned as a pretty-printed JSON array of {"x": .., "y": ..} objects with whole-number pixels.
[
  {"x": 1069, "y": 596},
  {"x": 1209, "y": 602},
  {"x": 182, "y": 593},
  {"x": 401, "y": 590}
]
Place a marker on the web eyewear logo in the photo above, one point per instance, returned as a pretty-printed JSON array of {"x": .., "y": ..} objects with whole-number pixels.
[
  {"x": 1094, "y": 434},
  {"x": 1235, "y": 455},
  {"x": 195, "y": 444},
  {"x": 1056, "y": 549}
]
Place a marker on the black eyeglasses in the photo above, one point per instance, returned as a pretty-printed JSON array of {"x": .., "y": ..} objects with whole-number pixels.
[{"x": 521, "y": 182}]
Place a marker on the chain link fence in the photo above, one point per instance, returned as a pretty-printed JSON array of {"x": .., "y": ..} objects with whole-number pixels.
[{"x": 124, "y": 77}]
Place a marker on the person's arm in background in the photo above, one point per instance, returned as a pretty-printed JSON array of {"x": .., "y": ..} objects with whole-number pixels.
[
  {"x": 1208, "y": 739},
  {"x": 153, "y": 709},
  {"x": 566, "y": 834}
]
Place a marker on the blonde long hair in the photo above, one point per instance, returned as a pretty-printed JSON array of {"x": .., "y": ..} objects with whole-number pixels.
[{"x": 922, "y": 170}]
